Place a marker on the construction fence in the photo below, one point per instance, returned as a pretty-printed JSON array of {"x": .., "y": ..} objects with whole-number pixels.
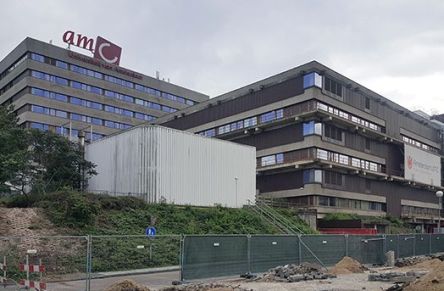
[{"x": 94, "y": 262}]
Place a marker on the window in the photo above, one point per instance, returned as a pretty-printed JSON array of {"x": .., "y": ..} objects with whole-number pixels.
[
  {"x": 39, "y": 109},
  {"x": 272, "y": 115},
  {"x": 39, "y": 126},
  {"x": 95, "y": 90},
  {"x": 250, "y": 121},
  {"x": 312, "y": 79},
  {"x": 367, "y": 144},
  {"x": 37, "y": 57},
  {"x": 268, "y": 160},
  {"x": 96, "y": 121},
  {"x": 322, "y": 154},
  {"x": 279, "y": 158},
  {"x": 61, "y": 64},
  {"x": 311, "y": 127},
  {"x": 40, "y": 92},
  {"x": 368, "y": 184},
  {"x": 333, "y": 178},
  {"x": 332, "y": 132},
  {"x": 224, "y": 129},
  {"x": 60, "y": 97},
  {"x": 210, "y": 132},
  {"x": 333, "y": 86},
  {"x": 367, "y": 103},
  {"x": 312, "y": 176},
  {"x": 323, "y": 201}
]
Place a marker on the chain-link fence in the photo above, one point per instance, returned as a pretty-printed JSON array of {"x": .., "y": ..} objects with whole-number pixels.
[
  {"x": 216, "y": 256},
  {"x": 95, "y": 262},
  {"x": 44, "y": 262}
]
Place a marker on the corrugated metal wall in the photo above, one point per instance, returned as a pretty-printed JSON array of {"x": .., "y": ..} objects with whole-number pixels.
[{"x": 183, "y": 168}]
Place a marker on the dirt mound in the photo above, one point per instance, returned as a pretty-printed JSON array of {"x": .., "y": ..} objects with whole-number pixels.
[
  {"x": 126, "y": 285},
  {"x": 433, "y": 281},
  {"x": 347, "y": 266},
  {"x": 428, "y": 264}
]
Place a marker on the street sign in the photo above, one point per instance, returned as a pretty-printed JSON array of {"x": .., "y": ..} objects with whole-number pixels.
[{"x": 150, "y": 231}]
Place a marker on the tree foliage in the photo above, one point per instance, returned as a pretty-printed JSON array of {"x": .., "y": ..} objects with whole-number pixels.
[{"x": 38, "y": 161}]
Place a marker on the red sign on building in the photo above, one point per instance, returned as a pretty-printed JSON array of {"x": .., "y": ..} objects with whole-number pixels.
[{"x": 104, "y": 49}]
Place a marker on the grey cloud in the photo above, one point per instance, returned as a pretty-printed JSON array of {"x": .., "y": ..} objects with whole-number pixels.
[{"x": 217, "y": 46}]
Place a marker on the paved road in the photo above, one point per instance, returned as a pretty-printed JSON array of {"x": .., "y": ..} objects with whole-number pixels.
[{"x": 156, "y": 281}]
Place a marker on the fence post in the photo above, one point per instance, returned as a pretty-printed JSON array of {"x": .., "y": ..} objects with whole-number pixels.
[
  {"x": 384, "y": 245},
  {"x": 430, "y": 243},
  {"x": 249, "y": 252},
  {"x": 88, "y": 262},
  {"x": 300, "y": 249},
  {"x": 182, "y": 255},
  {"x": 414, "y": 244},
  {"x": 346, "y": 244},
  {"x": 397, "y": 247}
]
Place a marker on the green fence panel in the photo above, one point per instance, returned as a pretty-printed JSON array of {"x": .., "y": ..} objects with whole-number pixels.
[
  {"x": 422, "y": 244},
  {"x": 367, "y": 249},
  {"x": 406, "y": 245},
  {"x": 214, "y": 256},
  {"x": 437, "y": 243},
  {"x": 329, "y": 249},
  {"x": 391, "y": 243},
  {"x": 267, "y": 252}
]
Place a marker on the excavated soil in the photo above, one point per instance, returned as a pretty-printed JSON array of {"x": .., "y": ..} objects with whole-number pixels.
[
  {"x": 433, "y": 281},
  {"x": 126, "y": 285},
  {"x": 347, "y": 266}
]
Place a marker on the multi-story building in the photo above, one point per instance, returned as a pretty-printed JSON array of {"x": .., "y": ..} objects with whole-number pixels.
[
  {"x": 325, "y": 142},
  {"x": 57, "y": 89}
]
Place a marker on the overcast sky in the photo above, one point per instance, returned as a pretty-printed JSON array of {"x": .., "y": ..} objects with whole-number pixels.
[{"x": 395, "y": 48}]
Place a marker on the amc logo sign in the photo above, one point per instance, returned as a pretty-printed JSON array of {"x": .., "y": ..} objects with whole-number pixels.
[{"x": 103, "y": 49}]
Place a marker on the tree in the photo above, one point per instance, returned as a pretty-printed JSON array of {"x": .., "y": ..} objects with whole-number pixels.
[
  {"x": 62, "y": 161},
  {"x": 36, "y": 160},
  {"x": 13, "y": 148}
]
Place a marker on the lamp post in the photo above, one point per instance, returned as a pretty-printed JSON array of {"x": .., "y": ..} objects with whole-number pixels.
[
  {"x": 439, "y": 195},
  {"x": 235, "y": 182}
]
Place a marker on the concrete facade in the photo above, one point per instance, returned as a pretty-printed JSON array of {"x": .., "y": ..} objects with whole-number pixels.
[
  {"x": 324, "y": 142},
  {"x": 112, "y": 98}
]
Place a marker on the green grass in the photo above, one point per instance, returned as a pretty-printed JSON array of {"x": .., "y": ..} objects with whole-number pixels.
[
  {"x": 85, "y": 213},
  {"x": 103, "y": 216}
]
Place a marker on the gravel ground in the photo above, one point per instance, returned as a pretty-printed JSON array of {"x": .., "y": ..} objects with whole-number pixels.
[{"x": 346, "y": 282}]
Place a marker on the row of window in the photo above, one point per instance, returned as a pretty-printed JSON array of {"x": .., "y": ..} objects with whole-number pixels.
[
  {"x": 347, "y": 160},
  {"x": 66, "y": 131},
  {"x": 13, "y": 66},
  {"x": 244, "y": 123},
  {"x": 272, "y": 160},
  {"x": 348, "y": 116},
  {"x": 411, "y": 211},
  {"x": 100, "y": 91},
  {"x": 90, "y": 104},
  {"x": 79, "y": 117},
  {"x": 419, "y": 144},
  {"x": 350, "y": 203},
  {"x": 112, "y": 79}
]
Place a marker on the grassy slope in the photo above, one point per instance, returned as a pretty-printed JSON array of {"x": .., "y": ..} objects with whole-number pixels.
[{"x": 104, "y": 215}]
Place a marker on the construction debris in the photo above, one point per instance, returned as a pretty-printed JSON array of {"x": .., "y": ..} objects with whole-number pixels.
[
  {"x": 396, "y": 277},
  {"x": 206, "y": 287},
  {"x": 127, "y": 285},
  {"x": 409, "y": 261},
  {"x": 348, "y": 266},
  {"x": 294, "y": 273}
]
